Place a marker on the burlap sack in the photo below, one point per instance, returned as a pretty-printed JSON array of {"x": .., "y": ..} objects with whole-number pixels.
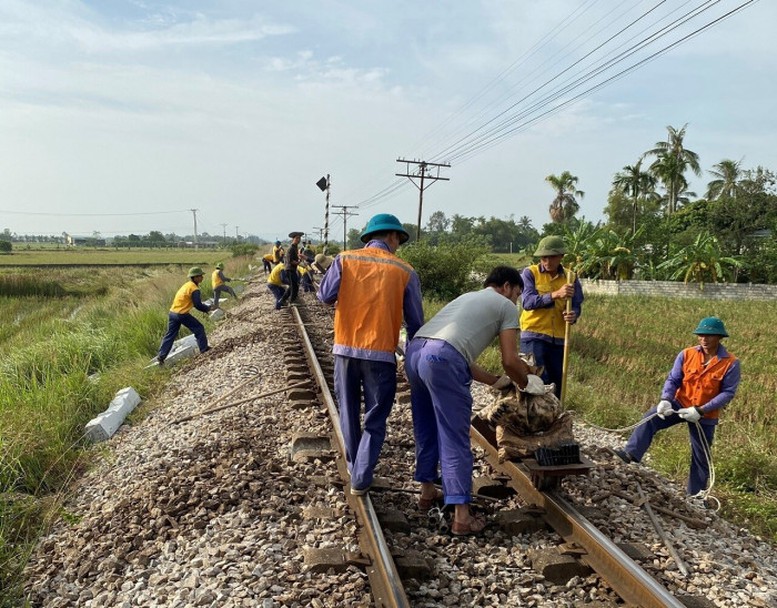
[
  {"x": 525, "y": 422},
  {"x": 513, "y": 446}
]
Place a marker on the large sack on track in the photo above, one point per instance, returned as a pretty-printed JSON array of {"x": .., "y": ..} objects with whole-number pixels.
[
  {"x": 525, "y": 422},
  {"x": 513, "y": 446}
]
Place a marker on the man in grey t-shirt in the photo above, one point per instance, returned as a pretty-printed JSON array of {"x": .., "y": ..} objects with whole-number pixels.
[{"x": 440, "y": 365}]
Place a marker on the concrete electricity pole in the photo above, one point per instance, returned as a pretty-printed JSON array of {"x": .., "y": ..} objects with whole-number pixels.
[
  {"x": 421, "y": 173},
  {"x": 320, "y": 233},
  {"x": 194, "y": 213},
  {"x": 346, "y": 214},
  {"x": 224, "y": 228}
]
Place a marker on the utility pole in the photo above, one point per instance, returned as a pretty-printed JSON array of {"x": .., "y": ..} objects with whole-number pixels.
[
  {"x": 320, "y": 233},
  {"x": 224, "y": 227},
  {"x": 346, "y": 214},
  {"x": 424, "y": 174},
  {"x": 194, "y": 213},
  {"x": 237, "y": 233},
  {"x": 324, "y": 185}
]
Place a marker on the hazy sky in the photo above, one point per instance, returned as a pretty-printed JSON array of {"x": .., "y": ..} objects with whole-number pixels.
[{"x": 121, "y": 116}]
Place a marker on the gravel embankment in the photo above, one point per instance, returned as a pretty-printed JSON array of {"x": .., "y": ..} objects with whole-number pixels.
[{"x": 213, "y": 511}]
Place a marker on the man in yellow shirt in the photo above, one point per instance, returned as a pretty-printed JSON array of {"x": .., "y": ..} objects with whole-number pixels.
[
  {"x": 219, "y": 283},
  {"x": 187, "y": 297}
]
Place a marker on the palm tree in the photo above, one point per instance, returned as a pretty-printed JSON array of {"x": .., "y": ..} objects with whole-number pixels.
[
  {"x": 636, "y": 182},
  {"x": 727, "y": 175},
  {"x": 672, "y": 160},
  {"x": 565, "y": 205}
]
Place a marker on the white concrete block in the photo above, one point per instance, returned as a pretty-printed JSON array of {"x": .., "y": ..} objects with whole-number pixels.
[
  {"x": 105, "y": 424},
  {"x": 183, "y": 348},
  {"x": 217, "y": 315}
]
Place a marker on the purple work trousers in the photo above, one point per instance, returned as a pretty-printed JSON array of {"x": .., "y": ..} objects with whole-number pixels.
[
  {"x": 377, "y": 381},
  {"x": 642, "y": 437},
  {"x": 441, "y": 402}
]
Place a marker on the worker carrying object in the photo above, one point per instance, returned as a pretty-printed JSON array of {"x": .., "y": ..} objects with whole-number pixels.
[
  {"x": 703, "y": 380},
  {"x": 219, "y": 283},
  {"x": 186, "y": 298}
]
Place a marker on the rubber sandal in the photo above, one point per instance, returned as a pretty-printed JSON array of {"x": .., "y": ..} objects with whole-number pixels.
[
  {"x": 424, "y": 504},
  {"x": 475, "y": 526}
]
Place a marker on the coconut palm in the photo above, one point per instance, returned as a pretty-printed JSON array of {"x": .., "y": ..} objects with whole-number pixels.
[
  {"x": 672, "y": 160},
  {"x": 565, "y": 205},
  {"x": 635, "y": 182},
  {"x": 727, "y": 175}
]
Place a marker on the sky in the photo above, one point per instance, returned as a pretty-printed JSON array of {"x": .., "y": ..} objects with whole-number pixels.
[{"x": 121, "y": 117}]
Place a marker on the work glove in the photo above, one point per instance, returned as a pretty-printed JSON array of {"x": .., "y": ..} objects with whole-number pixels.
[
  {"x": 504, "y": 382},
  {"x": 664, "y": 409},
  {"x": 691, "y": 414},
  {"x": 534, "y": 385}
]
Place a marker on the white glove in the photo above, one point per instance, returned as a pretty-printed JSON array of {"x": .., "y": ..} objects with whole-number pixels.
[
  {"x": 664, "y": 409},
  {"x": 534, "y": 386},
  {"x": 504, "y": 382},
  {"x": 691, "y": 414}
]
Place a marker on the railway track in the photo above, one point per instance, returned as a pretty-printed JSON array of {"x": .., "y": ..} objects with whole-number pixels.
[
  {"x": 226, "y": 507},
  {"x": 631, "y": 582}
]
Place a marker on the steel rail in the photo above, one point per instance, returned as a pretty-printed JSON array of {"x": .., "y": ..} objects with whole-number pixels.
[
  {"x": 386, "y": 586},
  {"x": 633, "y": 584}
]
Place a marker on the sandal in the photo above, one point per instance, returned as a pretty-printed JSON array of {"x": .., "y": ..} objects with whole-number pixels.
[
  {"x": 475, "y": 526},
  {"x": 425, "y": 504}
]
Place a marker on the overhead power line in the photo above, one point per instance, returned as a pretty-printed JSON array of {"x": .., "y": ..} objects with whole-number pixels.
[{"x": 582, "y": 77}]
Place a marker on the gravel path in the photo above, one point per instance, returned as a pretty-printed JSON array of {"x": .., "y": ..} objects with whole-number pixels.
[{"x": 214, "y": 512}]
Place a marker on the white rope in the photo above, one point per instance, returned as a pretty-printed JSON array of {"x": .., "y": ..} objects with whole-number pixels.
[{"x": 705, "y": 494}]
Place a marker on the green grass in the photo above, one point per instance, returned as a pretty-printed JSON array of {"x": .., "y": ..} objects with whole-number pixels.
[
  {"x": 108, "y": 256},
  {"x": 64, "y": 358},
  {"x": 620, "y": 353}
]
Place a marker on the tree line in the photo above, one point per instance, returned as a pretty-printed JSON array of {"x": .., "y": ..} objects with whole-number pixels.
[{"x": 656, "y": 228}]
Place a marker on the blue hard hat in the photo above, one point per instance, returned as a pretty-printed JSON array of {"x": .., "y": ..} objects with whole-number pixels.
[
  {"x": 277, "y": 242},
  {"x": 384, "y": 222},
  {"x": 711, "y": 326}
]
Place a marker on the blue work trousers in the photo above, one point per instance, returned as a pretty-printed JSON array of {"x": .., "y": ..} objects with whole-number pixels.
[
  {"x": 217, "y": 294},
  {"x": 174, "y": 322},
  {"x": 278, "y": 292},
  {"x": 441, "y": 402},
  {"x": 377, "y": 381},
  {"x": 548, "y": 355},
  {"x": 642, "y": 437},
  {"x": 291, "y": 292}
]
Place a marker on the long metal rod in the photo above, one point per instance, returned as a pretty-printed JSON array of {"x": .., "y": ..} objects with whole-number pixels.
[
  {"x": 387, "y": 588},
  {"x": 627, "y": 579}
]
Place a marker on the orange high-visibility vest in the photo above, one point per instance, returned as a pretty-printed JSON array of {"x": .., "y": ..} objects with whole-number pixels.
[
  {"x": 370, "y": 299},
  {"x": 702, "y": 382}
]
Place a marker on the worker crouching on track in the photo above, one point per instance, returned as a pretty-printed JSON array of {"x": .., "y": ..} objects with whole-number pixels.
[
  {"x": 276, "y": 284},
  {"x": 321, "y": 263},
  {"x": 440, "y": 365},
  {"x": 373, "y": 289},
  {"x": 187, "y": 297},
  {"x": 703, "y": 380},
  {"x": 219, "y": 283},
  {"x": 267, "y": 262},
  {"x": 544, "y": 316}
]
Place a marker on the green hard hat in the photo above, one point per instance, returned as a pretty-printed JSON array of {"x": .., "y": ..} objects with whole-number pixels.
[
  {"x": 195, "y": 271},
  {"x": 551, "y": 245},
  {"x": 384, "y": 222},
  {"x": 220, "y": 266},
  {"x": 711, "y": 326}
]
